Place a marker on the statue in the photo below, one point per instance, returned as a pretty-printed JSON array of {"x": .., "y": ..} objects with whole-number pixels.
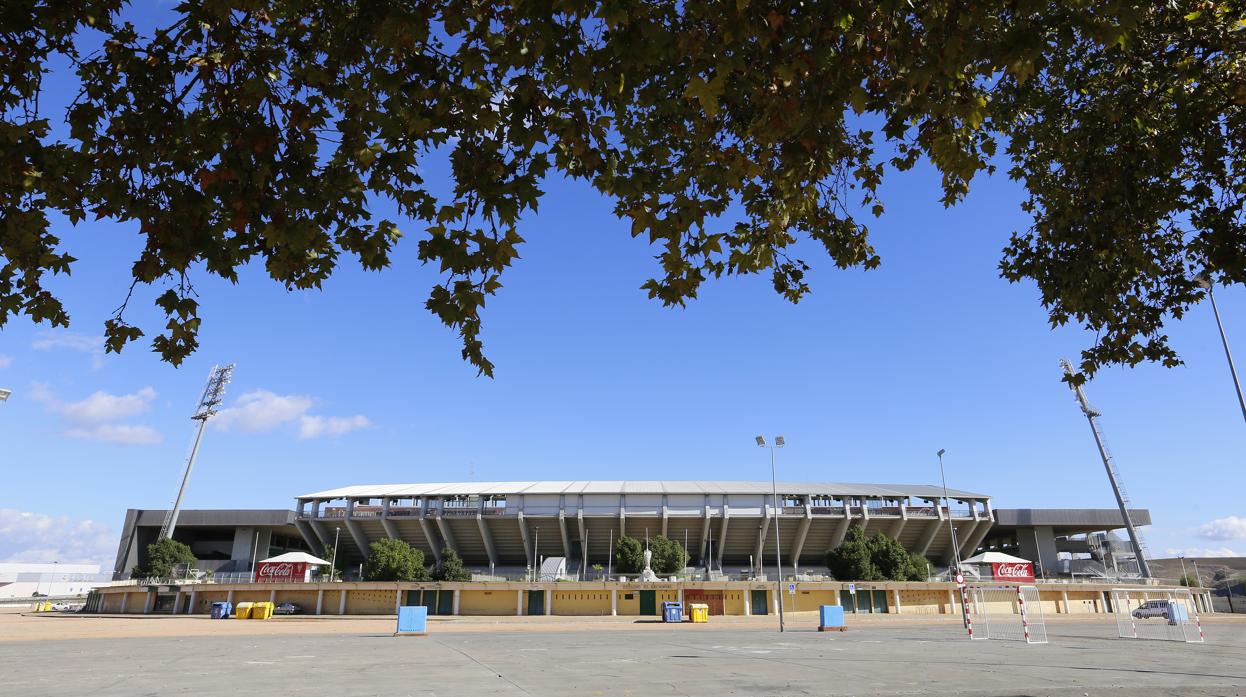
[{"x": 647, "y": 575}]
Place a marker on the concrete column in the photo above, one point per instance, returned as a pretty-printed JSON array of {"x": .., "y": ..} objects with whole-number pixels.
[
  {"x": 319, "y": 601},
  {"x": 896, "y": 600},
  {"x": 549, "y": 601},
  {"x": 147, "y": 604},
  {"x": 272, "y": 596},
  {"x": 177, "y": 603},
  {"x": 1064, "y": 601},
  {"x": 341, "y": 602},
  {"x": 125, "y": 600},
  {"x": 951, "y": 602},
  {"x": 229, "y": 597},
  {"x": 518, "y": 603},
  {"x": 456, "y": 602},
  {"x": 679, "y": 594},
  {"x": 614, "y": 602},
  {"x": 398, "y": 600},
  {"x": 778, "y": 598},
  {"x": 193, "y": 597},
  {"x": 747, "y": 594}
]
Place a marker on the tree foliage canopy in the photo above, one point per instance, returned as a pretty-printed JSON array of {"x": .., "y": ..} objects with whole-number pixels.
[
  {"x": 629, "y": 555},
  {"x": 724, "y": 132},
  {"x": 668, "y": 555},
  {"x": 394, "y": 560},
  {"x": 877, "y": 558},
  {"x": 451, "y": 567},
  {"x": 163, "y": 556}
]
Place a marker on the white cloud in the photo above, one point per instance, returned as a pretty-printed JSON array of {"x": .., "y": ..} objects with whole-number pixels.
[
  {"x": 101, "y": 406},
  {"x": 1227, "y": 528},
  {"x": 116, "y": 433},
  {"x": 35, "y": 537},
  {"x": 96, "y": 417},
  {"x": 5, "y": 361},
  {"x": 316, "y": 426},
  {"x": 1199, "y": 552},
  {"x": 260, "y": 411},
  {"x": 93, "y": 345}
]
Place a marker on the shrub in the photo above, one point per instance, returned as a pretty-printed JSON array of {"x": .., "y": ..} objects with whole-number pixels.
[
  {"x": 162, "y": 556},
  {"x": 394, "y": 560}
]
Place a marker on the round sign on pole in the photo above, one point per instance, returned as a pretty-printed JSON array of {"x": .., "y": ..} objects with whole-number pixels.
[{"x": 960, "y": 578}]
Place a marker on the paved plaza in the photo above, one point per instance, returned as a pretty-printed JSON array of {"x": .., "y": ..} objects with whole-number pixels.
[{"x": 343, "y": 657}]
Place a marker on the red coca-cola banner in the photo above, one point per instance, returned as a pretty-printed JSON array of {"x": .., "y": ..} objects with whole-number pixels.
[
  {"x": 280, "y": 572},
  {"x": 1013, "y": 571}
]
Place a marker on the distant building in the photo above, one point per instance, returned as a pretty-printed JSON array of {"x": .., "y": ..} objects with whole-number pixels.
[{"x": 29, "y": 580}]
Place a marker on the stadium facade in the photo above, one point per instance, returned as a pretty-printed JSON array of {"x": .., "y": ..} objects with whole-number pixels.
[{"x": 726, "y": 525}]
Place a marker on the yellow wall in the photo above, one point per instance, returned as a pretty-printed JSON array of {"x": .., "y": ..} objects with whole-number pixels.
[
  {"x": 922, "y": 602},
  {"x": 629, "y": 607},
  {"x": 331, "y": 601},
  {"x": 371, "y": 602},
  {"x": 254, "y": 596},
  {"x": 589, "y": 602},
  {"x": 809, "y": 600},
  {"x": 733, "y": 602},
  {"x": 496, "y": 602},
  {"x": 111, "y": 603},
  {"x": 204, "y": 600},
  {"x": 303, "y": 598},
  {"x": 1085, "y": 602}
]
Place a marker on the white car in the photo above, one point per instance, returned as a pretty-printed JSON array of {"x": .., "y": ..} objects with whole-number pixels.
[{"x": 1152, "y": 608}]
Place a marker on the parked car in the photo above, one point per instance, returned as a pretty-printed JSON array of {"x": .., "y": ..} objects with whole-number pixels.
[
  {"x": 1152, "y": 608},
  {"x": 288, "y": 609}
]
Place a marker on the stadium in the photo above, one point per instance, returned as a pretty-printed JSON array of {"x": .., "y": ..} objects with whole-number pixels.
[{"x": 504, "y": 528}]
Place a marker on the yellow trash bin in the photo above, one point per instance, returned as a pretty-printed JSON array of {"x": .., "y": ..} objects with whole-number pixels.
[
  {"x": 699, "y": 612},
  {"x": 242, "y": 611},
  {"x": 261, "y": 611}
]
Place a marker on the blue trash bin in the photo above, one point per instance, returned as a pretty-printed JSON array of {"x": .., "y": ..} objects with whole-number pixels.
[
  {"x": 222, "y": 609},
  {"x": 672, "y": 612}
]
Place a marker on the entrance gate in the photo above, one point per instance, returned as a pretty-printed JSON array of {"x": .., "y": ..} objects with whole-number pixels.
[
  {"x": 536, "y": 602},
  {"x": 714, "y": 599},
  {"x": 648, "y": 602},
  {"x": 757, "y": 603}
]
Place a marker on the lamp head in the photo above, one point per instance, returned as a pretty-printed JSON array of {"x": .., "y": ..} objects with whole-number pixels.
[
  {"x": 4, "y": 394},
  {"x": 779, "y": 442},
  {"x": 940, "y": 453},
  {"x": 761, "y": 441},
  {"x": 1203, "y": 281}
]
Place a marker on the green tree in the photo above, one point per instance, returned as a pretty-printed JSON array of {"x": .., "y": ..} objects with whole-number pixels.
[
  {"x": 451, "y": 567},
  {"x": 162, "y": 556},
  {"x": 727, "y": 134},
  {"x": 334, "y": 571},
  {"x": 629, "y": 555},
  {"x": 394, "y": 560},
  {"x": 877, "y": 558},
  {"x": 668, "y": 555}
]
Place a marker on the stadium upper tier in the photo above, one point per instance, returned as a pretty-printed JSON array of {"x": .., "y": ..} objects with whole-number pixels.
[{"x": 518, "y": 523}]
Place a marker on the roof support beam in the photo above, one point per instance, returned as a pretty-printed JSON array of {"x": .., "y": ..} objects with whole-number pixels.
[
  {"x": 391, "y": 530},
  {"x": 665, "y": 516},
  {"x": 579, "y": 519},
  {"x": 431, "y": 537},
  {"x": 974, "y": 538},
  {"x": 841, "y": 530},
  {"x": 356, "y": 533},
  {"x": 949, "y": 552},
  {"x": 448, "y": 537},
  {"x": 898, "y": 526},
  {"x": 566, "y": 541},
  {"x": 622, "y": 520},
  {"x": 798, "y": 545},
  {"x": 761, "y": 538},
  {"x": 322, "y": 533},
  {"x": 309, "y": 536},
  {"x": 523, "y": 532},
  {"x": 923, "y": 543},
  {"x": 722, "y": 534},
  {"x": 487, "y": 539},
  {"x": 705, "y": 535}
]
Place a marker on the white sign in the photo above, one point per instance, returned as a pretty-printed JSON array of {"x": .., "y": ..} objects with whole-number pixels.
[
  {"x": 791, "y": 588},
  {"x": 852, "y": 588},
  {"x": 960, "y": 578}
]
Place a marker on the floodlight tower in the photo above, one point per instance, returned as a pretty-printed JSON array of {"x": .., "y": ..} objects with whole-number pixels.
[
  {"x": 213, "y": 394},
  {"x": 1122, "y": 498}
]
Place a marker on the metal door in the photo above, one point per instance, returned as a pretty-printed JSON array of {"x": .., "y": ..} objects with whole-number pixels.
[
  {"x": 757, "y": 603},
  {"x": 848, "y": 601},
  {"x": 536, "y": 602},
  {"x": 429, "y": 600},
  {"x": 880, "y": 601},
  {"x": 445, "y": 602},
  {"x": 648, "y": 602}
]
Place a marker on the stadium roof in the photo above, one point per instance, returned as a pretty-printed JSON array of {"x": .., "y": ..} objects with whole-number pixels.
[{"x": 636, "y": 487}]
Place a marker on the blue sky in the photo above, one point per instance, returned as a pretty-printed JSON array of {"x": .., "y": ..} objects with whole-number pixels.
[{"x": 866, "y": 379}]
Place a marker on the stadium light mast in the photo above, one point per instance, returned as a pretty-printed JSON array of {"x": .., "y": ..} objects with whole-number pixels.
[
  {"x": 947, "y": 503},
  {"x": 778, "y": 559},
  {"x": 1205, "y": 282},
  {"x": 4, "y": 394},
  {"x": 1122, "y": 498},
  {"x": 213, "y": 394}
]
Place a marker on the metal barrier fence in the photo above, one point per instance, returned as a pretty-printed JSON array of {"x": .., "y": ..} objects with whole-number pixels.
[
  {"x": 1168, "y": 614},
  {"x": 1012, "y": 613}
]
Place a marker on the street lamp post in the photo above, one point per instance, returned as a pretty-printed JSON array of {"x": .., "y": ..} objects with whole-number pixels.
[
  {"x": 4, "y": 394},
  {"x": 947, "y": 503},
  {"x": 1205, "y": 282},
  {"x": 1184, "y": 577},
  {"x": 778, "y": 559}
]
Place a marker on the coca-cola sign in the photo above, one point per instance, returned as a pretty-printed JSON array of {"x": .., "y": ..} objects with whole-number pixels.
[
  {"x": 1013, "y": 571},
  {"x": 280, "y": 572}
]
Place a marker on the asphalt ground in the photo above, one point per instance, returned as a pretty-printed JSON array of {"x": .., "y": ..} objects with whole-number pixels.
[{"x": 881, "y": 658}]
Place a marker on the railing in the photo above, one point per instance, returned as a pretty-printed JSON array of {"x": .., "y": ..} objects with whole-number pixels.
[
  {"x": 827, "y": 510},
  {"x": 493, "y": 510},
  {"x": 922, "y": 512},
  {"x": 793, "y": 510},
  {"x": 403, "y": 511},
  {"x": 885, "y": 510},
  {"x": 459, "y": 512},
  {"x": 334, "y": 512}
]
